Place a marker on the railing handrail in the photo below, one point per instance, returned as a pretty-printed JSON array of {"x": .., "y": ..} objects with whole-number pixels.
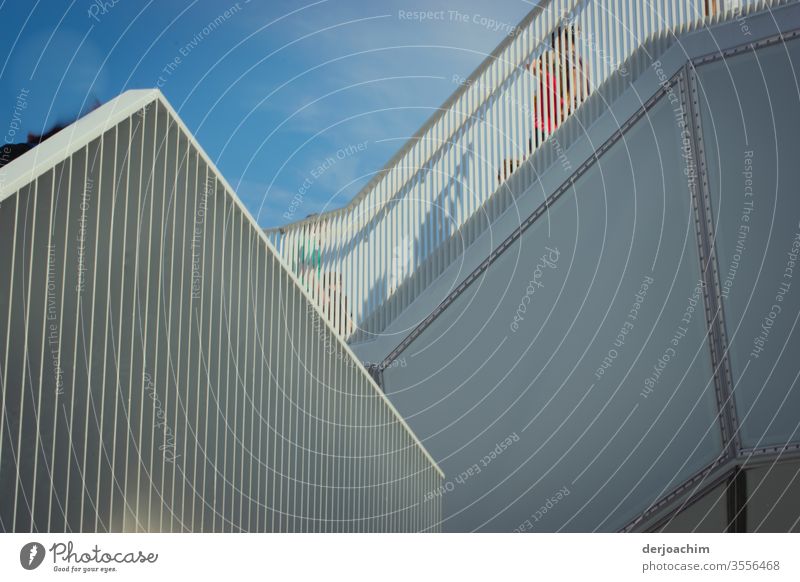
[
  {"x": 436, "y": 116},
  {"x": 502, "y": 114}
]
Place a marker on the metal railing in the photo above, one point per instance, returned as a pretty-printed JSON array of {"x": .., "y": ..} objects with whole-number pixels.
[{"x": 413, "y": 218}]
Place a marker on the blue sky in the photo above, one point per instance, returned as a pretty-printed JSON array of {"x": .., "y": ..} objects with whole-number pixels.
[{"x": 271, "y": 91}]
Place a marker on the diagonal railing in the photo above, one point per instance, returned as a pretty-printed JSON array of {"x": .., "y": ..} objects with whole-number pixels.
[{"x": 365, "y": 262}]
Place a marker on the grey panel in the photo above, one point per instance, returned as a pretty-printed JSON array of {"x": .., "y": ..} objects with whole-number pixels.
[
  {"x": 706, "y": 515},
  {"x": 59, "y": 344},
  {"x": 750, "y": 124},
  {"x": 773, "y": 498},
  {"x": 8, "y": 217},
  {"x": 532, "y": 431}
]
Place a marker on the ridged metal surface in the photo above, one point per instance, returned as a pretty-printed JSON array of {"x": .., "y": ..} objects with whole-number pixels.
[{"x": 162, "y": 369}]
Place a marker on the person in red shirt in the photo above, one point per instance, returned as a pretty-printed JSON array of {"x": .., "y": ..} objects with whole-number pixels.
[
  {"x": 562, "y": 82},
  {"x": 560, "y": 85}
]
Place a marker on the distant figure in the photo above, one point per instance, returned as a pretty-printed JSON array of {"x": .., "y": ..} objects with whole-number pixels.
[
  {"x": 308, "y": 257},
  {"x": 712, "y": 7},
  {"x": 11, "y": 151},
  {"x": 562, "y": 84}
]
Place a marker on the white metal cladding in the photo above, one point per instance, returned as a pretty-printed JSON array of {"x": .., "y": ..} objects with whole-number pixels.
[
  {"x": 412, "y": 219},
  {"x": 161, "y": 367},
  {"x": 533, "y": 357}
]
